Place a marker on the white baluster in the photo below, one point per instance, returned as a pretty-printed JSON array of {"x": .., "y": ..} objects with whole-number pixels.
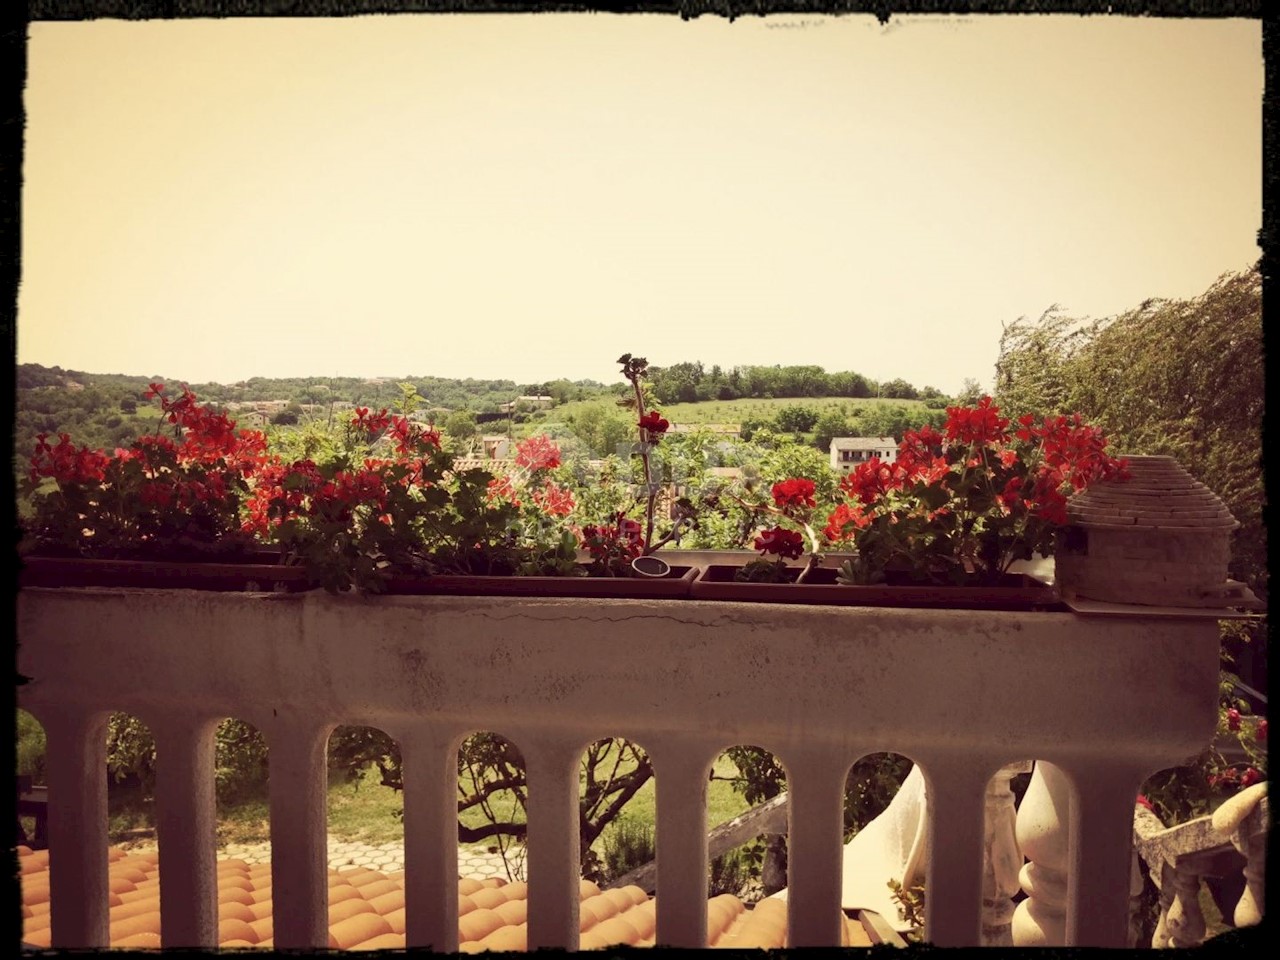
[
  {"x": 1185, "y": 924},
  {"x": 1160, "y": 939},
  {"x": 1002, "y": 858},
  {"x": 1043, "y": 834},
  {"x": 1243, "y": 820}
]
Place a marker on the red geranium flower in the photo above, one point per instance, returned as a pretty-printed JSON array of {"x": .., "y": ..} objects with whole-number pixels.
[
  {"x": 796, "y": 492},
  {"x": 981, "y": 424},
  {"x": 537, "y": 453},
  {"x": 554, "y": 500},
  {"x": 1233, "y": 719},
  {"x": 781, "y": 542},
  {"x": 653, "y": 424}
]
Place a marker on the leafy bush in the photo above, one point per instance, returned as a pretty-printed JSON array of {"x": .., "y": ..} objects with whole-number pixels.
[{"x": 30, "y": 747}]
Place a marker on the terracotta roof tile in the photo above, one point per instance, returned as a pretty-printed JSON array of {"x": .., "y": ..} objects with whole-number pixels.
[{"x": 366, "y": 910}]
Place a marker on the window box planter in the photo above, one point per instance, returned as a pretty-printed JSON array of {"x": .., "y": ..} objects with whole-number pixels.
[
  {"x": 677, "y": 584},
  {"x": 252, "y": 571},
  {"x": 1015, "y": 592}
]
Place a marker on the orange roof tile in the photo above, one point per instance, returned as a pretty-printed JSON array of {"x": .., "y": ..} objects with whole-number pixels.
[{"x": 366, "y": 910}]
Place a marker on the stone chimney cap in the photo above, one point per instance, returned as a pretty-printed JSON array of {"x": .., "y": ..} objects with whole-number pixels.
[{"x": 1160, "y": 494}]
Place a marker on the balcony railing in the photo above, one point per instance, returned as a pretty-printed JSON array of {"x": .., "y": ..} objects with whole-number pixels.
[{"x": 1107, "y": 700}]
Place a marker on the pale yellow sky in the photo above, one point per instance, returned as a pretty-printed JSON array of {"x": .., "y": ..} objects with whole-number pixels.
[{"x": 529, "y": 196}]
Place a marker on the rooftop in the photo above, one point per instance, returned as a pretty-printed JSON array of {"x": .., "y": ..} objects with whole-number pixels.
[{"x": 366, "y": 910}]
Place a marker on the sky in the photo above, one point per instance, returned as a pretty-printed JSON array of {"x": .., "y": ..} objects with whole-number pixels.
[{"x": 527, "y": 197}]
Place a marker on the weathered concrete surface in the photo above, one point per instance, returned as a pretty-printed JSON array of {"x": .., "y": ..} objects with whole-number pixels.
[{"x": 960, "y": 692}]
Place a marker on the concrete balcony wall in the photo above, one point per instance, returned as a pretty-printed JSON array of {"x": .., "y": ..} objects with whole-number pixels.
[{"x": 1107, "y": 699}]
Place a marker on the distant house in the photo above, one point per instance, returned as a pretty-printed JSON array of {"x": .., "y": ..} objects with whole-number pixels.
[
  {"x": 534, "y": 403},
  {"x": 848, "y": 452},
  {"x": 496, "y": 447}
]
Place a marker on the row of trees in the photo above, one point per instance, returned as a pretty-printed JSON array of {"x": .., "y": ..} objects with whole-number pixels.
[{"x": 690, "y": 382}]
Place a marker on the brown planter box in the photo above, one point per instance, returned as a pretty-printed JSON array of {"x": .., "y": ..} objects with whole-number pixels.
[
  {"x": 163, "y": 574},
  {"x": 1018, "y": 592},
  {"x": 676, "y": 585}
]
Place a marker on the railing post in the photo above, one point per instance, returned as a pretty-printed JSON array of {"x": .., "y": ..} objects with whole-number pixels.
[
  {"x": 429, "y": 761},
  {"x": 953, "y": 887},
  {"x": 555, "y": 865},
  {"x": 815, "y": 782},
  {"x": 1043, "y": 832},
  {"x": 76, "y": 766},
  {"x": 682, "y": 770},
  {"x": 1101, "y": 859},
  {"x": 298, "y": 786},
  {"x": 1002, "y": 858},
  {"x": 186, "y": 828}
]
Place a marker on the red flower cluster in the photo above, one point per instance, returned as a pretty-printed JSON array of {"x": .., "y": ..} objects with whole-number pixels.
[
  {"x": 66, "y": 462},
  {"x": 973, "y": 496},
  {"x": 845, "y": 517},
  {"x": 781, "y": 542},
  {"x": 555, "y": 500},
  {"x": 1231, "y": 777},
  {"x": 537, "y": 453},
  {"x": 796, "y": 492},
  {"x": 623, "y": 540},
  {"x": 981, "y": 424},
  {"x": 502, "y": 489},
  {"x": 870, "y": 480},
  {"x": 653, "y": 424},
  {"x": 1233, "y": 719}
]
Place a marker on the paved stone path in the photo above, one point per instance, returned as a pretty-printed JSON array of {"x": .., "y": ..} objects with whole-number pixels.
[{"x": 475, "y": 862}]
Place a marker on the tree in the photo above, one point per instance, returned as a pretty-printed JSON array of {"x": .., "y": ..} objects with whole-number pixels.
[
  {"x": 460, "y": 424},
  {"x": 898, "y": 390},
  {"x": 830, "y": 425},
  {"x": 970, "y": 393},
  {"x": 796, "y": 419},
  {"x": 602, "y": 428}
]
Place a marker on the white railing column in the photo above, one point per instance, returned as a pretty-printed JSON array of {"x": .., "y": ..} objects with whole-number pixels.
[
  {"x": 186, "y": 829},
  {"x": 1043, "y": 825},
  {"x": 681, "y": 770},
  {"x": 429, "y": 765},
  {"x": 298, "y": 785},
  {"x": 815, "y": 852},
  {"x": 1100, "y": 862},
  {"x": 551, "y": 767},
  {"x": 1243, "y": 820},
  {"x": 76, "y": 764},
  {"x": 1002, "y": 858},
  {"x": 953, "y": 886}
]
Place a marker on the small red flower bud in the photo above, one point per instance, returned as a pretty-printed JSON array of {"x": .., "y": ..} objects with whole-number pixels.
[{"x": 1261, "y": 732}]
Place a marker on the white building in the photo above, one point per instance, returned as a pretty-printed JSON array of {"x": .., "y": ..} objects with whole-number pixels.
[{"x": 848, "y": 452}]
